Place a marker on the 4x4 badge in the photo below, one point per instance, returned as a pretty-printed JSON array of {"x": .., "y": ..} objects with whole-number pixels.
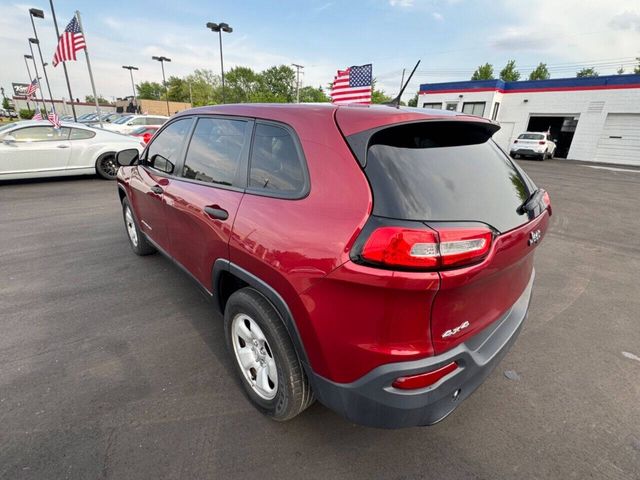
[
  {"x": 534, "y": 237},
  {"x": 453, "y": 331}
]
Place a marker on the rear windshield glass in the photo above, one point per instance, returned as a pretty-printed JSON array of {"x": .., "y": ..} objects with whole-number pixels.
[
  {"x": 441, "y": 172},
  {"x": 531, "y": 136}
]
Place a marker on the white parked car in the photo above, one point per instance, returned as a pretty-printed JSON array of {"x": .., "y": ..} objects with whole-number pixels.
[
  {"x": 533, "y": 144},
  {"x": 32, "y": 149},
  {"x": 129, "y": 123}
]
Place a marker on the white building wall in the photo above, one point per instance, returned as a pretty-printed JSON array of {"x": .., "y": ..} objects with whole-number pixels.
[{"x": 589, "y": 106}]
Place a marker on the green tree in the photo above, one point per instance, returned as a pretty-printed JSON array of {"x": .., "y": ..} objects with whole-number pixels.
[
  {"x": 150, "y": 90},
  {"x": 636, "y": 69},
  {"x": 5, "y": 103},
  {"x": 177, "y": 89},
  {"x": 378, "y": 96},
  {"x": 101, "y": 99},
  {"x": 277, "y": 84},
  {"x": 620, "y": 71},
  {"x": 313, "y": 95},
  {"x": 483, "y": 72},
  {"x": 413, "y": 102},
  {"x": 205, "y": 87},
  {"x": 541, "y": 72},
  {"x": 509, "y": 72},
  {"x": 242, "y": 85},
  {"x": 587, "y": 72}
]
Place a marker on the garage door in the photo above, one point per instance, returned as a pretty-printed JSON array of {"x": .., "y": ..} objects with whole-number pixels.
[{"x": 620, "y": 140}]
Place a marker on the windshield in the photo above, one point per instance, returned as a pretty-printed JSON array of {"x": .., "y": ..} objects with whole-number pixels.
[
  {"x": 432, "y": 172},
  {"x": 122, "y": 120},
  {"x": 531, "y": 136}
]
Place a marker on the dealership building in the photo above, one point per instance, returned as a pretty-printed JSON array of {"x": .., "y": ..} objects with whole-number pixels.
[{"x": 593, "y": 119}]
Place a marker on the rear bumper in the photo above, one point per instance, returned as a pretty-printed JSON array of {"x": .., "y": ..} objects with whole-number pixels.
[
  {"x": 527, "y": 151},
  {"x": 372, "y": 401}
]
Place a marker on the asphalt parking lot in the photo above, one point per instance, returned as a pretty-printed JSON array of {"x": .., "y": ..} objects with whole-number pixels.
[{"x": 114, "y": 366}]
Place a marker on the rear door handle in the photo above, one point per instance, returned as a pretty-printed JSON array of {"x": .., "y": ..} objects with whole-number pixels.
[
  {"x": 216, "y": 212},
  {"x": 63, "y": 146},
  {"x": 157, "y": 189}
]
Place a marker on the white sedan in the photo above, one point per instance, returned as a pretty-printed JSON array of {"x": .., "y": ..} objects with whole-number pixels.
[
  {"x": 130, "y": 122},
  {"x": 32, "y": 149}
]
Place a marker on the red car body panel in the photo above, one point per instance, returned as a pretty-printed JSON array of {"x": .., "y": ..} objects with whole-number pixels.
[
  {"x": 482, "y": 293},
  {"x": 197, "y": 239}
]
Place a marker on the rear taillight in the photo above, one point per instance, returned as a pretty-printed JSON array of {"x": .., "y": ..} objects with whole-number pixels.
[
  {"x": 547, "y": 201},
  {"x": 542, "y": 142},
  {"x": 426, "y": 379},
  {"x": 426, "y": 249}
]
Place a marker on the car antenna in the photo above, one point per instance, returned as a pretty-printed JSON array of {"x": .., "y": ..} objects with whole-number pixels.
[{"x": 396, "y": 101}]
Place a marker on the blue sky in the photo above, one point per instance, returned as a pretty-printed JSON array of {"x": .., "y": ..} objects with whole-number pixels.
[{"x": 451, "y": 37}]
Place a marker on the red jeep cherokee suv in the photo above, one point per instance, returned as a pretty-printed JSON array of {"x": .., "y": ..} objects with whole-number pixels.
[{"x": 375, "y": 258}]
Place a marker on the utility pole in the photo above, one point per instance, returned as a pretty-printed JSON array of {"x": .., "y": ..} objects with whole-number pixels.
[{"x": 298, "y": 68}]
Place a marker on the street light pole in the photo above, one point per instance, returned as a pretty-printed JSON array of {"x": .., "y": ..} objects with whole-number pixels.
[
  {"x": 34, "y": 12},
  {"x": 164, "y": 81},
  {"x": 220, "y": 27},
  {"x": 35, "y": 68},
  {"x": 133, "y": 85}
]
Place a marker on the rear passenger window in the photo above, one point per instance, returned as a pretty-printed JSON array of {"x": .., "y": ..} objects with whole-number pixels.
[
  {"x": 80, "y": 134},
  {"x": 275, "y": 163},
  {"x": 215, "y": 150},
  {"x": 165, "y": 149}
]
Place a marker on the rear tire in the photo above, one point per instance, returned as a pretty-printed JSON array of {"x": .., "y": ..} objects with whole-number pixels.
[
  {"x": 137, "y": 239},
  {"x": 268, "y": 367},
  {"x": 107, "y": 166}
]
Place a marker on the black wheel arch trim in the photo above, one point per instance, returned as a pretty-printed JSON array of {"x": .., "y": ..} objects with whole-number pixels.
[{"x": 270, "y": 294}]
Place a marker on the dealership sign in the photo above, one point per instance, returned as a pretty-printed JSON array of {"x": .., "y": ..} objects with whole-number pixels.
[{"x": 20, "y": 90}]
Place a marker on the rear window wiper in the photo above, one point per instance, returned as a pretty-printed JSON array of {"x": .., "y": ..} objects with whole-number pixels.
[{"x": 533, "y": 200}]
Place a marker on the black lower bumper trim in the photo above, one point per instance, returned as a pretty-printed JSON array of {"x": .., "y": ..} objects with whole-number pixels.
[{"x": 372, "y": 401}]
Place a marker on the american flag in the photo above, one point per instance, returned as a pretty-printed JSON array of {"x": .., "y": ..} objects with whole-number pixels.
[
  {"x": 71, "y": 40},
  {"x": 352, "y": 85},
  {"x": 33, "y": 86},
  {"x": 54, "y": 119},
  {"x": 37, "y": 116}
]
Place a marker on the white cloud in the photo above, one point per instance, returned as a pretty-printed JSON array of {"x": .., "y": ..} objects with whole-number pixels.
[
  {"x": 438, "y": 16},
  {"x": 401, "y": 3},
  {"x": 571, "y": 30},
  {"x": 626, "y": 21}
]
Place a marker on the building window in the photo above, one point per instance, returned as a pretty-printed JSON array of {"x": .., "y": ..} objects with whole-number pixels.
[
  {"x": 437, "y": 106},
  {"x": 473, "y": 108},
  {"x": 452, "y": 106},
  {"x": 496, "y": 107}
]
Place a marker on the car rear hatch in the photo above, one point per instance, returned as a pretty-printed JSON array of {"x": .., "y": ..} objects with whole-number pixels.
[{"x": 444, "y": 192}]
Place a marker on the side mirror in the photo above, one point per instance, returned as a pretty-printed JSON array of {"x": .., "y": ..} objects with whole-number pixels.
[
  {"x": 130, "y": 124},
  {"x": 127, "y": 157},
  {"x": 9, "y": 139}
]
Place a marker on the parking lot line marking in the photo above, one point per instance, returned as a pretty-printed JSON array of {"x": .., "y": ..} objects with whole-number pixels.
[
  {"x": 631, "y": 356},
  {"x": 613, "y": 169}
]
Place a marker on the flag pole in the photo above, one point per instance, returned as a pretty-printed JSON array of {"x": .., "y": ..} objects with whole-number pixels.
[
  {"x": 30, "y": 80},
  {"x": 86, "y": 52},
  {"x": 64, "y": 65}
]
